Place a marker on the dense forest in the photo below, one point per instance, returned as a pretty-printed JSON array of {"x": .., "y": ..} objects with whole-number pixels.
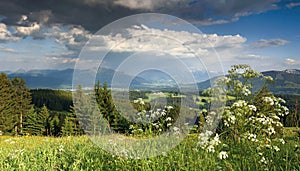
[{"x": 52, "y": 113}]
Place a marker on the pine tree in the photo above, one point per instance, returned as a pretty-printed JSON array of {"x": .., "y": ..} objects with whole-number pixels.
[
  {"x": 86, "y": 109},
  {"x": 31, "y": 123},
  {"x": 108, "y": 110},
  {"x": 6, "y": 105},
  {"x": 22, "y": 103},
  {"x": 55, "y": 128},
  {"x": 43, "y": 121}
]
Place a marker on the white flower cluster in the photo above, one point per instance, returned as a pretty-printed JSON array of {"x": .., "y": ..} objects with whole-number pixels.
[
  {"x": 152, "y": 120},
  {"x": 268, "y": 100},
  {"x": 252, "y": 117},
  {"x": 139, "y": 101},
  {"x": 207, "y": 142}
]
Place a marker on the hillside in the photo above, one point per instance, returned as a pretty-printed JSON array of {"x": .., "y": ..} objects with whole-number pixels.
[{"x": 286, "y": 81}]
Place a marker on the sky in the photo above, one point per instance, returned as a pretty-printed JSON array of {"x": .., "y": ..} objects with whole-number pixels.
[{"x": 49, "y": 34}]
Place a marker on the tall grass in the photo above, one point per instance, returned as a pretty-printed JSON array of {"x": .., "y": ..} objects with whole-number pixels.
[{"x": 79, "y": 153}]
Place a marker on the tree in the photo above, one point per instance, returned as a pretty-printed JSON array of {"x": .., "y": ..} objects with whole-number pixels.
[
  {"x": 44, "y": 119},
  {"x": 87, "y": 112},
  {"x": 6, "y": 105},
  {"x": 21, "y": 101},
  {"x": 31, "y": 123}
]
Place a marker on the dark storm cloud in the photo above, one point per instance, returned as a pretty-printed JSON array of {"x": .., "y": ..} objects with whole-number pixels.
[
  {"x": 93, "y": 14},
  {"x": 74, "y": 12}
]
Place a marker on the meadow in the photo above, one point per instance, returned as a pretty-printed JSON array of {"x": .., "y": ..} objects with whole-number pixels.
[{"x": 79, "y": 153}]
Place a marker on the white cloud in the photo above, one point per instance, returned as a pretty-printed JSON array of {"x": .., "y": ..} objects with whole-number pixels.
[
  {"x": 24, "y": 31},
  {"x": 22, "y": 19},
  {"x": 293, "y": 4},
  {"x": 8, "y": 50},
  {"x": 253, "y": 57},
  {"x": 73, "y": 37},
  {"x": 263, "y": 43},
  {"x": 148, "y": 4},
  {"x": 61, "y": 60},
  {"x": 290, "y": 61},
  {"x": 178, "y": 43},
  {"x": 5, "y": 34}
]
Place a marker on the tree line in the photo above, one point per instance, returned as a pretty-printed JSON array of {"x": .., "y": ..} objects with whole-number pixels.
[{"x": 52, "y": 113}]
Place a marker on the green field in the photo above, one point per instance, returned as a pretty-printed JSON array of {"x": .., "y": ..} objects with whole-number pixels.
[{"x": 79, "y": 153}]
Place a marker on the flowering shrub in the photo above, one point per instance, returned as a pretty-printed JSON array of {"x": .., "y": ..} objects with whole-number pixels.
[
  {"x": 251, "y": 119},
  {"x": 152, "y": 122}
]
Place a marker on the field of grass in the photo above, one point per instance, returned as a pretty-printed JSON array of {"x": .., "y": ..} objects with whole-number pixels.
[{"x": 79, "y": 153}]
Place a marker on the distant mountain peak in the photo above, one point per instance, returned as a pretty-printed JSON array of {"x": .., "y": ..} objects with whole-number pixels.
[
  {"x": 20, "y": 71},
  {"x": 292, "y": 71}
]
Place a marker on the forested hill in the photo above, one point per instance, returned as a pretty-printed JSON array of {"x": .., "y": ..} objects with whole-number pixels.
[
  {"x": 57, "y": 100},
  {"x": 285, "y": 82}
]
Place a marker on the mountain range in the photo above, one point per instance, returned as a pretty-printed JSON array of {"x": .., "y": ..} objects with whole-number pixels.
[{"x": 286, "y": 81}]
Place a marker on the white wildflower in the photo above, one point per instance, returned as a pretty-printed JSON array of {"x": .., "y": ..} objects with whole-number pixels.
[
  {"x": 263, "y": 160},
  {"x": 282, "y": 141},
  {"x": 268, "y": 100},
  {"x": 210, "y": 149},
  {"x": 223, "y": 155},
  {"x": 176, "y": 129},
  {"x": 61, "y": 148},
  {"x": 168, "y": 119},
  {"x": 252, "y": 107},
  {"x": 169, "y": 107},
  {"x": 276, "y": 148}
]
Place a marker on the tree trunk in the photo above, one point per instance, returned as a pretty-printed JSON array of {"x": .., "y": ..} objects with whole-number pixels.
[{"x": 21, "y": 122}]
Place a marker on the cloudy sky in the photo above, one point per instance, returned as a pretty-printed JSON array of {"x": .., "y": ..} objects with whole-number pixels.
[{"x": 49, "y": 34}]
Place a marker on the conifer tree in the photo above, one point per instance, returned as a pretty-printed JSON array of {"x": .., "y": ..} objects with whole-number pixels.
[
  {"x": 21, "y": 101},
  {"x": 6, "y": 105},
  {"x": 43, "y": 120},
  {"x": 31, "y": 123}
]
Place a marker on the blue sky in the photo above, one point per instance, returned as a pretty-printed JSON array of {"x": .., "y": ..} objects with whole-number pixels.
[{"x": 48, "y": 35}]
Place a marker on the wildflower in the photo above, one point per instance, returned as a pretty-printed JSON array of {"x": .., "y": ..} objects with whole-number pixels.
[
  {"x": 268, "y": 100},
  {"x": 276, "y": 148},
  {"x": 239, "y": 103},
  {"x": 271, "y": 131},
  {"x": 216, "y": 139},
  {"x": 210, "y": 149},
  {"x": 176, "y": 129},
  {"x": 61, "y": 148},
  {"x": 263, "y": 160},
  {"x": 168, "y": 119},
  {"x": 223, "y": 155},
  {"x": 169, "y": 107},
  {"x": 232, "y": 119},
  {"x": 252, "y": 137},
  {"x": 282, "y": 141},
  {"x": 7, "y": 140},
  {"x": 252, "y": 107}
]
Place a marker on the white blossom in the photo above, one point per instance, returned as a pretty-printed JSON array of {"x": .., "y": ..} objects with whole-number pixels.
[{"x": 223, "y": 155}]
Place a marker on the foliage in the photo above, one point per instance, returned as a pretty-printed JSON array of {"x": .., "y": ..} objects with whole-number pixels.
[
  {"x": 79, "y": 153},
  {"x": 55, "y": 100},
  {"x": 251, "y": 121},
  {"x": 15, "y": 102}
]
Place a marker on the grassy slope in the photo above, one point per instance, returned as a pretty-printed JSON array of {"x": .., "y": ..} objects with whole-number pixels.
[{"x": 79, "y": 153}]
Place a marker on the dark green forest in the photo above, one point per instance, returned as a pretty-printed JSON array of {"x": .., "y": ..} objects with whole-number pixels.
[{"x": 52, "y": 113}]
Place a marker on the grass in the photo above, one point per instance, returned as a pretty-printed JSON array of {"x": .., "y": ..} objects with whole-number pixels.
[{"x": 79, "y": 153}]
